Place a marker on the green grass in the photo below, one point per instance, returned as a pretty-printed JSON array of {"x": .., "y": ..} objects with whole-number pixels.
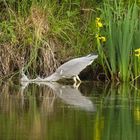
[
  {"x": 43, "y": 33},
  {"x": 120, "y": 26}
]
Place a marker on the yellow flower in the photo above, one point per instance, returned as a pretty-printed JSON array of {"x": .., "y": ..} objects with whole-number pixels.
[
  {"x": 137, "y": 52},
  {"x": 98, "y": 19},
  {"x": 103, "y": 39},
  {"x": 98, "y": 23},
  {"x": 138, "y": 55}
]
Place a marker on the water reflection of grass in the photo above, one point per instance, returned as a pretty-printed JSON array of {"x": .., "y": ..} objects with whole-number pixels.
[
  {"x": 118, "y": 116},
  {"x": 21, "y": 112},
  {"x": 34, "y": 113},
  {"x": 38, "y": 114}
]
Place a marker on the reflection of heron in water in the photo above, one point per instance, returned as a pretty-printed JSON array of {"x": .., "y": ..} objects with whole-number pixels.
[
  {"x": 68, "y": 70},
  {"x": 70, "y": 95}
]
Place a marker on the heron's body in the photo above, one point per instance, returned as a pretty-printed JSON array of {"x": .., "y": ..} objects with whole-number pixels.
[
  {"x": 74, "y": 66},
  {"x": 70, "y": 69}
]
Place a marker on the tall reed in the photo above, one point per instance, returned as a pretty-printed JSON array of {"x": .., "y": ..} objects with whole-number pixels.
[{"x": 121, "y": 22}]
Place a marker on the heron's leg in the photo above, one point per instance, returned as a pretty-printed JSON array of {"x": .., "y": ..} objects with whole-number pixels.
[
  {"x": 77, "y": 82},
  {"x": 77, "y": 77}
]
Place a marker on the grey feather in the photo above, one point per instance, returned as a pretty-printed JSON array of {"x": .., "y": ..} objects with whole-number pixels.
[{"x": 72, "y": 68}]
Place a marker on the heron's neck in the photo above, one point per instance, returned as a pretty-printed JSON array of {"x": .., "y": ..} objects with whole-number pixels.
[{"x": 53, "y": 77}]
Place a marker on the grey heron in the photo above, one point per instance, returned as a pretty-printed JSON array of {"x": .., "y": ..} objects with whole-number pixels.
[
  {"x": 68, "y": 70},
  {"x": 72, "y": 68}
]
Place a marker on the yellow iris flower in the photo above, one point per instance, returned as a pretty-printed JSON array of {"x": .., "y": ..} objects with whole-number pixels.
[
  {"x": 138, "y": 55},
  {"x": 102, "y": 38},
  {"x": 98, "y": 19},
  {"x": 137, "y": 52},
  {"x": 98, "y": 23}
]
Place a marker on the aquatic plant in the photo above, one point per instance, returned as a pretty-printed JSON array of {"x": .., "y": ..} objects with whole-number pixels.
[
  {"x": 121, "y": 22},
  {"x": 136, "y": 63},
  {"x": 100, "y": 42}
]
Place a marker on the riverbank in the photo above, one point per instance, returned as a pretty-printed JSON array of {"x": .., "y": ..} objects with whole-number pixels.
[{"x": 41, "y": 35}]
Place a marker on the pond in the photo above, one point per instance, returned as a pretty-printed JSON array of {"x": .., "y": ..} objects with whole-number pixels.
[{"x": 52, "y": 111}]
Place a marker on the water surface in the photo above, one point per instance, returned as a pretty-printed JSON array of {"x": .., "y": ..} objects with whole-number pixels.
[{"x": 94, "y": 111}]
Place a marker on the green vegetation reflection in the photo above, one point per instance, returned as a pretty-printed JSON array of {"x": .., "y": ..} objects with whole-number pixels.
[{"x": 37, "y": 113}]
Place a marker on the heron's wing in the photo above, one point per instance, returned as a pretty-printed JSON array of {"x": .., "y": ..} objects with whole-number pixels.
[{"x": 74, "y": 67}]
